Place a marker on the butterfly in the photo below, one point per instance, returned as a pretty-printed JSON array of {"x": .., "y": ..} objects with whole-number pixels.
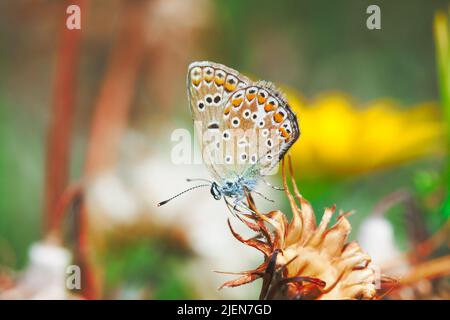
[{"x": 245, "y": 129}]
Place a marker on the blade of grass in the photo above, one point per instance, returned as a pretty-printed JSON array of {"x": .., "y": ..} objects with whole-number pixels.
[{"x": 442, "y": 40}]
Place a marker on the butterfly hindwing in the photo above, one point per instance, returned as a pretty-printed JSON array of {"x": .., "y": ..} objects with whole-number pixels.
[{"x": 263, "y": 126}]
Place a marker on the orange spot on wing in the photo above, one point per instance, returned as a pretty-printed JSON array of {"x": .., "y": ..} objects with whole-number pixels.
[
  {"x": 269, "y": 107},
  {"x": 227, "y": 110},
  {"x": 251, "y": 96},
  {"x": 261, "y": 99},
  {"x": 219, "y": 81},
  {"x": 284, "y": 133},
  {"x": 278, "y": 117},
  {"x": 208, "y": 75},
  {"x": 236, "y": 102},
  {"x": 230, "y": 84}
]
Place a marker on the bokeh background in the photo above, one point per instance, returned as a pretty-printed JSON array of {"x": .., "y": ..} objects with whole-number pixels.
[{"x": 86, "y": 119}]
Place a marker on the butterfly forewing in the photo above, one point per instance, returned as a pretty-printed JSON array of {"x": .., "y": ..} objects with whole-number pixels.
[{"x": 209, "y": 87}]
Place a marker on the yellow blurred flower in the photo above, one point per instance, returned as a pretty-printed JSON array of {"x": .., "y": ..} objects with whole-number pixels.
[{"x": 338, "y": 138}]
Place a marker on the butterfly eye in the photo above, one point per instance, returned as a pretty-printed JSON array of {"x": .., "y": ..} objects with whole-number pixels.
[
  {"x": 215, "y": 191},
  {"x": 201, "y": 105}
]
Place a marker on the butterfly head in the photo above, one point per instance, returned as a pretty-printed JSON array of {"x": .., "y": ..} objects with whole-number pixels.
[{"x": 216, "y": 191}]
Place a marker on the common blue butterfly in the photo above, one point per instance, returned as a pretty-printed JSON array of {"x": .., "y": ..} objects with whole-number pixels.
[{"x": 245, "y": 128}]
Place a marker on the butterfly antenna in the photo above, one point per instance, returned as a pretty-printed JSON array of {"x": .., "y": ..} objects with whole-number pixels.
[{"x": 179, "y": 194}]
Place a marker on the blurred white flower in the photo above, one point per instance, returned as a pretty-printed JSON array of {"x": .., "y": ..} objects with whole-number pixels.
[
  {"x": 45, "y": 276},
  {"x": 376, "y": 237},
  {"x": 107, "y": 193}
]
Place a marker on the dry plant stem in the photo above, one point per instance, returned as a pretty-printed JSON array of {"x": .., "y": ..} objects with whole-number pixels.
[
  {"x": 428, "y": 246},
  {"x": 413, "y": 217},
  {"x": 110, "y": 118},
  {"x": 389, "y": 201},
  {"x": 268, "y": 275},
  {"x": 425, "y": 248},
  {"x": 70, "y": 194},
  {"x": 116, "y": 93},
  {"x": 61, "y": 118},
  {"x": 435, "y": 268}
]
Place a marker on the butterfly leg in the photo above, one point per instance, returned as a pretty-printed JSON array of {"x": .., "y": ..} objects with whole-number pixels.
[
  {"x": 239, "y": 203},
  {"x": 263, "y": 196},
  {"x": 271, "y": 185},
  {"x": 232, "y": 207}
]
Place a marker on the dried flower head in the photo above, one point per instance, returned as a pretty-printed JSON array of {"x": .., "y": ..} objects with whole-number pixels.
[{"x": 303, "y": 260}]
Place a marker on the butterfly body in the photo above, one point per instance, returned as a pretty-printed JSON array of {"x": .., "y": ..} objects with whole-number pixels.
[
  {"x": 245, "y": 127},
  {"x": 236, "y": 188}
]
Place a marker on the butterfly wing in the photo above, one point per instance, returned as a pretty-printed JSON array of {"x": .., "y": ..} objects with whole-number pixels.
[
  {"x": 209, "y": 87},
  {"x": 245, "y": 128},
  {"x": 264, "y": 126}
]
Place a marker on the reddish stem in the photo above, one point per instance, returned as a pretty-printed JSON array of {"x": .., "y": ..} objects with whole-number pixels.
[
  {"x": 60, "y": 127},
  {"x": 110, "y": 120}
]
